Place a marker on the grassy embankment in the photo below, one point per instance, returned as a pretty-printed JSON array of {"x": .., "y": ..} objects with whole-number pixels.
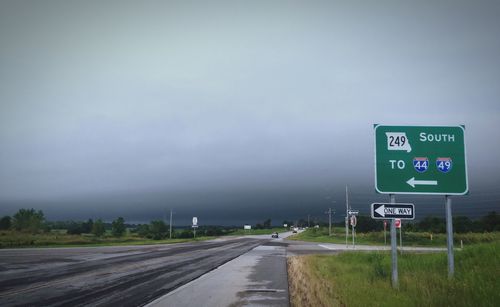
[
  {"x": 15, "y": 239},
  {"x": 364, "y": 279},
  {"x": 409, "y": 238}
]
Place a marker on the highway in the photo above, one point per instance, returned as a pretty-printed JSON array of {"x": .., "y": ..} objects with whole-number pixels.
[
  {"x": 228, "y": 271},
  {"x": 109, "y": 276}
]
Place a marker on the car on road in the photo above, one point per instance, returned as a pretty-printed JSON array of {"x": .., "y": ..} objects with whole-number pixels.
[
  {"x": 275, "y": 235},
  {"x": 295, "y": 229}
]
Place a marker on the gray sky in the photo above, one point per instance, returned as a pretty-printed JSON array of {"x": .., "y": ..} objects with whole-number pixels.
[{"x": 238, "y": 110}]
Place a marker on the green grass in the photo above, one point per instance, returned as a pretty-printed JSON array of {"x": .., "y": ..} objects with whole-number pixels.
[
  {"x": 14, "y": 239},
  {"x": 364, "y": 279},
  {"x": 242, "y": 232},
  {"x": 409, "y": 238}
]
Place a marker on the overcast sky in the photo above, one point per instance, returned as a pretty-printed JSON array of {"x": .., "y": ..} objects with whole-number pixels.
[{"x": 235, "y": 111}]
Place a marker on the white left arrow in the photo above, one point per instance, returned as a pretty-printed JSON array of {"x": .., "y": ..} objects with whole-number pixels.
[
  {"x": 381, "y": 210},
  {"x": 414, "y": 182}
]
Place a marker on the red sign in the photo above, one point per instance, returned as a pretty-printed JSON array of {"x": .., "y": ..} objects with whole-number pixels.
[
  {"x": 397, "y": 222},
  {"x": 385, "y": 225}
]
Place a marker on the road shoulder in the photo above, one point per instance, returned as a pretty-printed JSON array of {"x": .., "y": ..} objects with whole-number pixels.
[{"x": 258, "y": 277}]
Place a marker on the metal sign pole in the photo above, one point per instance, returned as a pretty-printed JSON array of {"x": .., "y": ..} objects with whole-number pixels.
[
  {"x": 449, "y": 237},
  {"x": 329, "y": 221},
  {"x": 385, "y": 233},
  {"x": 346, "y": 216},
  {"x": 394, "y": 252},
  {"x": 401, "y": 237},
  {"x": 352, "y": 236}
]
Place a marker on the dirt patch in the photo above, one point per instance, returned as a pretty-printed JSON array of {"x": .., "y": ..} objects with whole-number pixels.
[{"x": 305, "y": 287}]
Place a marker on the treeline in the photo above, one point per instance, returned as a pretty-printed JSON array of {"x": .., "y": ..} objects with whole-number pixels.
[
  {"x": 461, "y": 224},
  {"x": 32, "y": 221}
]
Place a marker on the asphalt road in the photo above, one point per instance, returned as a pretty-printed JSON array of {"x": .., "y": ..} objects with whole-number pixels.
[
  {"x": 256, "y": 278},
  {"x": 109, "y": 276}
]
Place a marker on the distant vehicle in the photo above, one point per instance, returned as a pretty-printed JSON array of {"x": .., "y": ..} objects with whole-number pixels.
[
  {"x": 295, "y": 229},
  {"x": 275, "y": 235}
]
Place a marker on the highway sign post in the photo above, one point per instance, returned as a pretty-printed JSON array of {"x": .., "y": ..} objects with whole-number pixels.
[
  {"x": 399, "y": 225},
  {"x": 195, "y": 225},
  {"x": 420, "y": 160},
  {"x": 354, "y": 221},
  {"x": 393, "y": 211},
  {"x": 385, "y": 235}
]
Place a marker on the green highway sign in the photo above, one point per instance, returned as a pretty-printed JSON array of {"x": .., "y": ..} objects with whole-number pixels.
[{"x": 420, "y": 160}]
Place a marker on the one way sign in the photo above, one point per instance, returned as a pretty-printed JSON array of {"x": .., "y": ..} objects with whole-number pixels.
[{"x": 393, "y": 211}]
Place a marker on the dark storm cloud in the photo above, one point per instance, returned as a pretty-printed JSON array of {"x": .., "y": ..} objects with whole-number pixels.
[{"x": 232, "y": 108}]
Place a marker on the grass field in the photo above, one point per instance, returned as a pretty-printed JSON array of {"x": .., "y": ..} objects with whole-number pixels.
[
  {"x": 364, "y": 279},
  {"x": 59, "y": 238},
  {"x": 14, "y": 239},
  {"x": 409, "y": 238},
  {"x": 242, "y": 232}
]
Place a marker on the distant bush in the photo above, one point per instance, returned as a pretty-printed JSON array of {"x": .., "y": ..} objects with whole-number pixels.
[
  {"x": 5, "y": 223},
  {"x": 158, "y": 230},
  {"x": 98, "y": 228},
  {"x": 118, "y": 227},
  {"x": 28, "y": 220}
]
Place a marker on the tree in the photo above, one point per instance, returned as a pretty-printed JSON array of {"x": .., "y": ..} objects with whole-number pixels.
[
  {"x": 432, "y": 224},
  {"x": 5, "y": 222},
  {"x": 74, "y": 228},
  {"x": 462, "y": 224},
  {"x": 143, "y": 230},
  {"x": 98, "y": 228},
  {"x": 28, "y": 220},
  {"x": 491, "y": 221},
  {"x": 118, "y": 227},
  {"x": 366, "y": 223},
  {"x": 267, "y": 224},
  {"x": 158, "y": 230},
  {"x": 87, "y": 226}
]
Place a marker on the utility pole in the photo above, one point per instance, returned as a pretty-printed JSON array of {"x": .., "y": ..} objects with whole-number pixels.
[
  {"x": 346, "y": 215},
  {"x": 330, "y": 212},
  {"x": 308, "y": 216},
  {"x": 170, "y": 223}
]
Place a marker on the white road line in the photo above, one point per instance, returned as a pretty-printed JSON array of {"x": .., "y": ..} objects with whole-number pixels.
[{"x": 327, "y": 247}]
